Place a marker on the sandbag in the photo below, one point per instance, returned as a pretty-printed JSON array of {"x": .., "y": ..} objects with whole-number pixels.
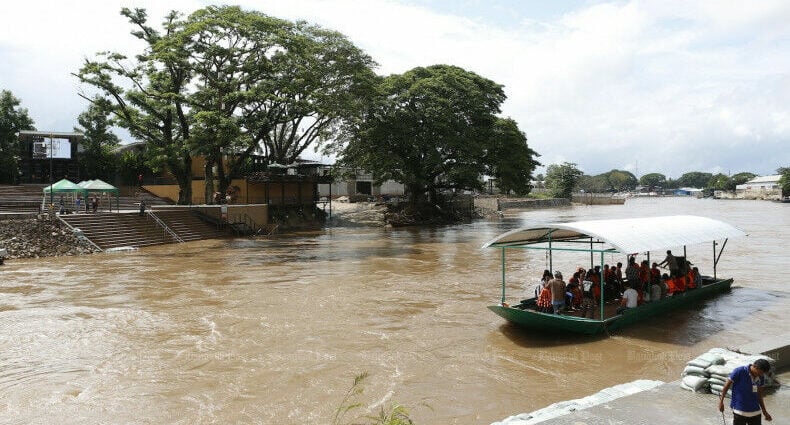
[
  {"x": 695, "y": 370},
  {"x": 716, "y": 381},
  {"x": 695, "y": 383},
  {"x": 720, "y": 370},
  {"x": 701, "y": 363},
  {"x": 713, "y": 358}
]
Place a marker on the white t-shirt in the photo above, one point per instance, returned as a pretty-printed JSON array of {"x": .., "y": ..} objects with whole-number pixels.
[{"x": 630, "y": 296}]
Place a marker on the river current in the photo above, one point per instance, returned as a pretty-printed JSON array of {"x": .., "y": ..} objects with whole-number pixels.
[{"x": 273, "y": 331}]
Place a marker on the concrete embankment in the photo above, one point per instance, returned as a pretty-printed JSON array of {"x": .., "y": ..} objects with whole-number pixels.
[
  {"x": 670, "y": 404},
  {"x": 492, "y": 204}
]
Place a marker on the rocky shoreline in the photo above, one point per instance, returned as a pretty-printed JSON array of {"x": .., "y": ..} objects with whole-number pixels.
[{"x": 35, "y": 238}]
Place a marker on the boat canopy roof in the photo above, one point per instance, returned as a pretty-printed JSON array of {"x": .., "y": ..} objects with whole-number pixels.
[{"x": 630, "y": 235}]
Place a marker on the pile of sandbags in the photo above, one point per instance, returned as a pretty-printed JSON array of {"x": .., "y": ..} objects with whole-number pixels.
[{"x": 710, "y": 371}]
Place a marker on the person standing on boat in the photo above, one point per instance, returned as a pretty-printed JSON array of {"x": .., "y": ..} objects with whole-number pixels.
[
  {"x": 747, "y": 393},
  {"x": 671, "y": 262},
  {"x": 557, "y": 288}
]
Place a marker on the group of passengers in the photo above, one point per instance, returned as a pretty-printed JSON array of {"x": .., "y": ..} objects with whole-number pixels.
[{"x": 642, "y": 283}]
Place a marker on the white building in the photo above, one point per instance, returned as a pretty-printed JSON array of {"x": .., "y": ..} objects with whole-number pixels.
[
  {"x": 764, "y": 187},
  {"x": 360, "y": 183}
]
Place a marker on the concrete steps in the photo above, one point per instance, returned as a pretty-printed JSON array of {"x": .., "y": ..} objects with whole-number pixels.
[{"x": 113, "y": 230}]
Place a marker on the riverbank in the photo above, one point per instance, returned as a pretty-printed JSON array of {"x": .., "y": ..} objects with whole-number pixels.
[{"x": 34, "y": 238}]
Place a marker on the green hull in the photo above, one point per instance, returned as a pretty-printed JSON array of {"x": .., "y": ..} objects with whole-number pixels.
[{"x": 550, "y": 322}]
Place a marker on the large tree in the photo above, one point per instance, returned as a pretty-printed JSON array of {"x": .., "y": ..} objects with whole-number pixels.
[
  {"x": 562, "y": 178},
  {"x": 429, "y": 129},
  {"x": 12, "y": 120},
  {"x": 742, "y": 178},
  {"x": 694, "y": 179},
  {"x": 96, "y": 158},
  {"x": 653, "y": 180},
  {"x": 509, "y": 159},
  {"x": 226, "y": 83},
  {"x": 720, "y": 182},
  {"x": 148, "y": 96},
  {"x": 266, "y": 85}
]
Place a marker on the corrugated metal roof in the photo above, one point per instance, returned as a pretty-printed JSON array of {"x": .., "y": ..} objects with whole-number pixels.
[
  {"x": 765, "y": 179},
  {"x": 629, "y": 235}
]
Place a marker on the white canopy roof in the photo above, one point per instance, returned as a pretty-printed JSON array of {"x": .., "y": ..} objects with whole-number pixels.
[{"x": 630, "y": 235}]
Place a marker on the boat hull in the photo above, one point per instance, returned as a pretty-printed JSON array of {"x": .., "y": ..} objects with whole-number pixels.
[{"x": 545, "y": 322}]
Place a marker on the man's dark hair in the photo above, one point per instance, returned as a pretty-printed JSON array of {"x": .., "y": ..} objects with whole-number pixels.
[{"x": 763, "y": 365}]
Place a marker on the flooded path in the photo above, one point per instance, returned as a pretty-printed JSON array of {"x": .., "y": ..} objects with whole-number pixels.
[{"x": 273, "y": 331}]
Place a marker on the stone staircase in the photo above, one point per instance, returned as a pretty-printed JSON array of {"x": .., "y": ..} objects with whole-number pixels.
[
  {"x": 23, "y": 198},
  {"x": 115, "y": 230},
  {"x": 188, "y": 226}
]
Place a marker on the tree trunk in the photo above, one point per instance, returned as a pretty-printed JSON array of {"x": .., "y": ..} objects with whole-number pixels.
[{"x": 208, "y": 174}]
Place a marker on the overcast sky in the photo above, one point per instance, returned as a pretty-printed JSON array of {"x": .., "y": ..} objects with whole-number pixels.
[{"x": 646, "y": 86}]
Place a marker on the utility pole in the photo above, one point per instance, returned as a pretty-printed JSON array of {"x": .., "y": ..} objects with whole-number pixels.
[{"x": 51, "y": 189}]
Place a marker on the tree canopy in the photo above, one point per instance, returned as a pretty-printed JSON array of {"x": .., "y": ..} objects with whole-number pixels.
[
  {"x": 435, "y": 128},
  {"x": 694, "y": 179},
  {"x": 225, "y": 83},
  {"x": 562, "y": 178},
  {"x": 653, "y": 180},
  {"x": 96, "y": 158},
  {"x": 610, "y": 181},
  {"x": 12, "y": 120},
  {"x": 509, "y": 160}
]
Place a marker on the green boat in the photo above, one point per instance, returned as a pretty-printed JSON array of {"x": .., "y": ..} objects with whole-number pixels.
[{"x": 624, "y": 236}]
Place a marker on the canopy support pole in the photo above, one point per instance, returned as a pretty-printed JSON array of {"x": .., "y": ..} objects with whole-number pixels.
[
  {"x": 503, "y": 276},
  {"x": 551, "y": 264},
  {"x": 717, "y": 258},
  {"x": 601, "y": 285},
  {"x": 591, "y": 253}
]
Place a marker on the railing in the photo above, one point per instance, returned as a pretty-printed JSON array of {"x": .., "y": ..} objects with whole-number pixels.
[
  {"x": 83, "y": 235},
  {"x": 164, "y": 227}
]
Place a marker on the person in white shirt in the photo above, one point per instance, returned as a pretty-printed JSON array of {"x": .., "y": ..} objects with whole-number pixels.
[{"x": 629, "y": 300}]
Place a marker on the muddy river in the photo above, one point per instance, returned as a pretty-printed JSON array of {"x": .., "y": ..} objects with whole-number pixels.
[{"x": 273, "y": 331}]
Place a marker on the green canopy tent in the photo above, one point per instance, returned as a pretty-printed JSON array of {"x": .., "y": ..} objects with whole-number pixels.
[
  {"x": 62, "y": 187},
  {"x": 103, "y": 188}
]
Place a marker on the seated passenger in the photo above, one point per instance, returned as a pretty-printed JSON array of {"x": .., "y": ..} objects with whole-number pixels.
[
  {"x": 630, "y": 298},
  {"x": 655, "y": 291},
  {"x": 575, "y": 288},
  {"x": 697, "y": 277},
  {"x": 664, "y": 285},
  {"x": 544, "y": 299}
]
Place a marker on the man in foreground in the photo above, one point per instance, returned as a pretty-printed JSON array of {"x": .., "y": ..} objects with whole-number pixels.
[{"x": 747, "y": 393}]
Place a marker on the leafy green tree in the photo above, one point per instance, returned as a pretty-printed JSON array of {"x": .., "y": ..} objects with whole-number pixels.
[
  {"x": 784, "y": 181},
  {"x": 510, "y": 161},
  {"x": 720, "y": 182},
  {"x": 12, "y": 120},
  {"x": 153, "y": 105},
  {"x": 225, "y": 84},
  {"x": 694, "y": 179},
  {"x": 619, "y": 180},
  {"x": 129, "y": 165},
  {"x": 268, "y": 85},
  {"x": 562, "y": 178},
  {"x": 742, "y": 178},
  {"x": 653, "y": 180},
  {"x": 96, "y": 159},
  {"x": 428, "y": 129},
  {"x": 592, "y": 184}
]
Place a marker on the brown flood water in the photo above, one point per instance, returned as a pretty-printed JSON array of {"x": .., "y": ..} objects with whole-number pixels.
[{"x": 273, "y": 331}]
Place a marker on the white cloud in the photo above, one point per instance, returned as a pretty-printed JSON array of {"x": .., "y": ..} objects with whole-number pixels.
[{"x": 674, "y": 86}]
